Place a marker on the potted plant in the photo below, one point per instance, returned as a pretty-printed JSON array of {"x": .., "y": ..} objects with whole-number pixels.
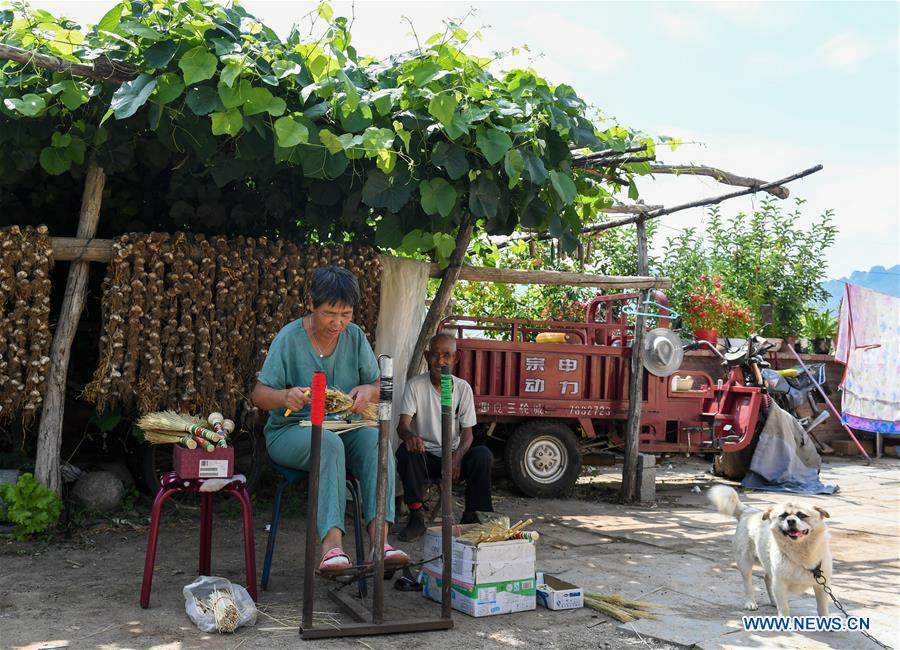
[
  {"x": 820, "y": 328},
  {"x": 705, "y": 309}
]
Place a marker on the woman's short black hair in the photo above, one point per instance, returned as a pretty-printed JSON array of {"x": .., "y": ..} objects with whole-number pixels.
[{"x": 334, "y": 285}]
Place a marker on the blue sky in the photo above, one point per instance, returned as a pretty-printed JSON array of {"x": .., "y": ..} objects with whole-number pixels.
[{"x": 759, "y": 89}]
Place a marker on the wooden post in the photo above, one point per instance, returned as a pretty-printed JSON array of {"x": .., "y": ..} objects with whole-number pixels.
[
  {"x": 439, "y": 304},
  {"x": 636, "y": 380},
  {"x": 50, "y": 429}
]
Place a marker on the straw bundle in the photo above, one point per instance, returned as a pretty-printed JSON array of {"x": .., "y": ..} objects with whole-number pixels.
[
  {"x": 170, "y": 421},
  {"x": 618, "y": 607},
  {"x": 337, "y": 401},
  {"x": 497, "y": 530},
  {"x": 341, "y": 426},
  {"x": 223, "y": 608},
  {"x": 165, "y": 438}
]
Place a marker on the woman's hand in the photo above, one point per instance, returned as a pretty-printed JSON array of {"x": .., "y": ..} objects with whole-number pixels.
[
  {"x": 362, "y": 396},
  {"x": 296, "y": 398}
]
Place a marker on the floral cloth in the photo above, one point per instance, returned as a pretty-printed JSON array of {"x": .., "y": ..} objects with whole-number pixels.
[{"x": 869, "y": 345}]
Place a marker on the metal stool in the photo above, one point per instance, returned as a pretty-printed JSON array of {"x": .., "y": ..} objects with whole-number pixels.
[
  {"x": 291, "y": 476},
  {"x": 170, "y": 484}
]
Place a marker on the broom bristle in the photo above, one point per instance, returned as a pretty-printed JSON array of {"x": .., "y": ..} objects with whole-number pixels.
[
  {"x": 337, "y": 401},
  {"x": 168, "y": 421},
  {"x": 155, "y": 437}
]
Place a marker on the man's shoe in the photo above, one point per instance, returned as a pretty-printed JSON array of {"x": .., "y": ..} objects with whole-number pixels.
[
  {"x": 415, "y": 527},
  {"x": 469, "y": 518}
]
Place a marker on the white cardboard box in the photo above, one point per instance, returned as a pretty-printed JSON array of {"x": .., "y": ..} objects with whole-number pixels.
[
  {"x": 554, "y": 593},
  {"x": 493, "y": 578}
]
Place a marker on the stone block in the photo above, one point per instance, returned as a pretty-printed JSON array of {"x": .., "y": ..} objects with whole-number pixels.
[{"x": 646, "y": 482}]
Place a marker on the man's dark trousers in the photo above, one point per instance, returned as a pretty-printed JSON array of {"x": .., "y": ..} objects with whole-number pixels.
[{"x": 475, "y": 470}]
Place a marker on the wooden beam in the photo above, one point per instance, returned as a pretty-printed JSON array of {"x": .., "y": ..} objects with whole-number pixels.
[
  {"x": 67, "y": 249},
  {"x": 514, "y": 276},
  {"x": 713, "y": 200},
  {"x": 46, "y": 465},
  {"x": 721, "y": 176},
  {"x": 101, "y": 68}
]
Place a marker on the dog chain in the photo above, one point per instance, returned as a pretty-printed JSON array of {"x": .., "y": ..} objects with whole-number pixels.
[{"x": 821, "y": 580}]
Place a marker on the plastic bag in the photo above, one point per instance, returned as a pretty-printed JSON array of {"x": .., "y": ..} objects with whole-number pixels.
[{"x": 202, "y": 587}]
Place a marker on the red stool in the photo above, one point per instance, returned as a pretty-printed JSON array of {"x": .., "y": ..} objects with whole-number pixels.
[{"x": 170, "y": 484}]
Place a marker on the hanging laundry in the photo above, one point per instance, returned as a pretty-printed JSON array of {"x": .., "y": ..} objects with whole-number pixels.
[{"x": 869, "y": 345}]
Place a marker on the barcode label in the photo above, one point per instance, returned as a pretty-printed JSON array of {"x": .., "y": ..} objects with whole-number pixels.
[{"x": 213, "y": 469}]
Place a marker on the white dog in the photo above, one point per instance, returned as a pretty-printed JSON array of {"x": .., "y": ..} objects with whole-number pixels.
[{"x": 789, "y": 540}]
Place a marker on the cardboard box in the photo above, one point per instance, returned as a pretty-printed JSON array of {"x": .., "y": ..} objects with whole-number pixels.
[
  {"x": 554, "y": 593},
  {"x": 199, "y": 463},
  {"x": 493, "y": 578}
]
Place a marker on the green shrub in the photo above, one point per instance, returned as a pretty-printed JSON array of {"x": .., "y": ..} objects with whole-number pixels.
[{"x": 30, "y": 506}]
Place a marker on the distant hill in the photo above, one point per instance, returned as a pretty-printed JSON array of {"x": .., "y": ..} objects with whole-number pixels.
[{"x": 877, "y": 278}]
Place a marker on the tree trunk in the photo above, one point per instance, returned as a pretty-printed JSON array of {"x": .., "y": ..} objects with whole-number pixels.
[
  {"x": 439, "y": 304},
  {"x": 50, "y": 429},
  {"x": 636, "y": 380}
]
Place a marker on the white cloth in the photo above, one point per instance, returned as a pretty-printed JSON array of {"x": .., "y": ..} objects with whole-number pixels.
[
  {"x": 869, "y": 344},
  {"x": 423, "y": 401},
  {"x": 216, "y": 484},
  {"x": 404, "y": 284}
]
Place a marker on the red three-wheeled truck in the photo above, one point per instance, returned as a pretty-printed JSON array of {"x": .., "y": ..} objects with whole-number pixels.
[{"x": 547, "y": 391}]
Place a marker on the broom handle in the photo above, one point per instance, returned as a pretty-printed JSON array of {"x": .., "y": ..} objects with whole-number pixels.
[
  {"x": 317, "y": 415},
  {"x": 446, "y": 489}
]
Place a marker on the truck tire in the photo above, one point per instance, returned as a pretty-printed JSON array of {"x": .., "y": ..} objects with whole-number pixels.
[
  {"x": 735, "y": 465},
  {"x": 542, "y": 458}
]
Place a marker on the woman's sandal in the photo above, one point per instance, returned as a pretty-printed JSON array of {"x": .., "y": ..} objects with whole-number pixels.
[
  {"x": 329, "y": 564},
  {"x": 394, "y": 558}
]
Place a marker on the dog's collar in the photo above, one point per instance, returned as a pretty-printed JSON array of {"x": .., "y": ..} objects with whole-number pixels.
[{"x": 816, "y": 570}]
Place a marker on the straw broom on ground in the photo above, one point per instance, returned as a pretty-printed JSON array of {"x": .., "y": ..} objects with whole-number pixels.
[{"x": 618, "y": 607}]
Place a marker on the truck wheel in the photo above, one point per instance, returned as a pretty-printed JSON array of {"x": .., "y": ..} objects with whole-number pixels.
[
  {"x": 735, "y": 465},
  {"x": 542, "y": 458}
]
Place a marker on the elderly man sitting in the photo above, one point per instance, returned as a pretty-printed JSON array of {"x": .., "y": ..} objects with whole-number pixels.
[{"x": 419, "y": 455}]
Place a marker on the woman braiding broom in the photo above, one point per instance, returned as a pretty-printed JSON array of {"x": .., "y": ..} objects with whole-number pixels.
[{"x": 326, "y": 340}]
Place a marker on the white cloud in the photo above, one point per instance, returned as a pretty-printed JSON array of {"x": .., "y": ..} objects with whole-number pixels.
[
  {"x": 680, "y": 27},
  {"x": 561, "y": 39},
  {"x": 845, "y": 50}
]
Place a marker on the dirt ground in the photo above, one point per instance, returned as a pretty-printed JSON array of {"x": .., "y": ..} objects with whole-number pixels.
[{"x": 83, "y": 592}]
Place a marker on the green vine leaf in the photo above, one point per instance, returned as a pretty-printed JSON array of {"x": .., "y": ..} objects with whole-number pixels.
[
  {"x": 203, "y": 100},
  {"x": 443, "y": 107},
  {"x": 54, "y": 161},
  {"x": 513, "y": 164},
  {"x": 563, "y": 185},
  {"x": 158, "y": 55},
  {"x": 227, "y": 123},
  {"x": 131, "y": 95},
  {"x": 493, "y": 143},
  {"x": 169, "y": 87},
  {"x": 438, "y": 196},
  {"x": 290, "y": 131},
  {"x": 383, "y": 191},
  {"x": 198, "y": 65},
  {"x": 29, "y": 105},
  {"x": 484, "y": 197},
  {"x": 452, "y": 158}
]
